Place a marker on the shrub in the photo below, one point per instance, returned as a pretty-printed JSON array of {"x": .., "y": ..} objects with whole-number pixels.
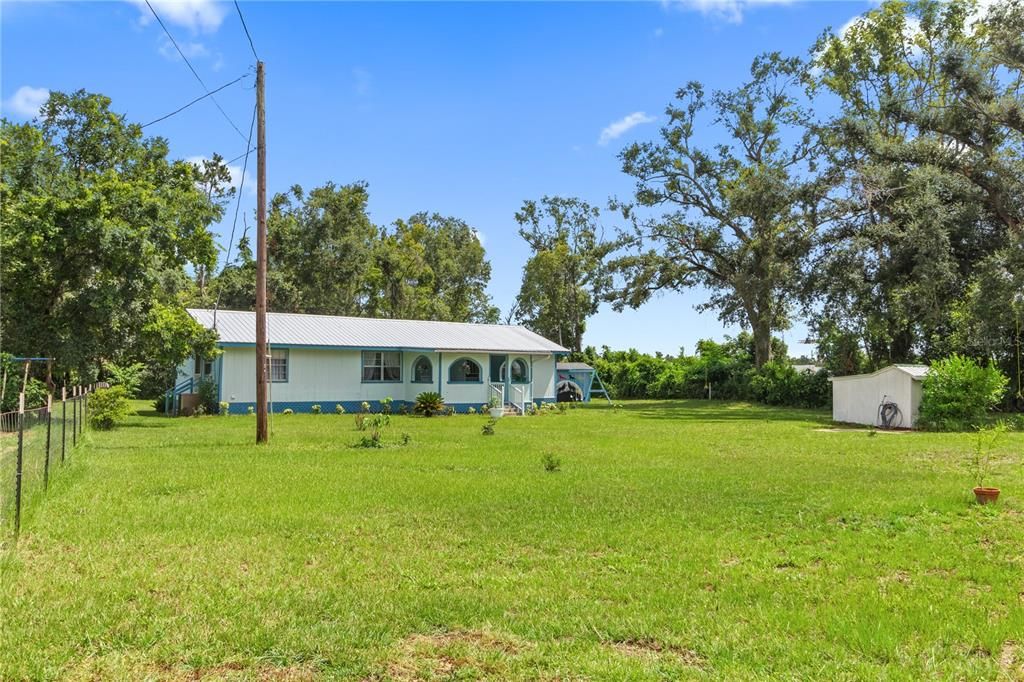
[
  {"x": 403, "y": 409},
  {"x": 364, "y": 406},
  {"x": 429, "y": 403},
  {"x": 250, "y": 410},
  {"x": 360, "y": 421},
  {"x": 471, "y": 410},
  {"x": 315, "y": 409},
  {"x": 108, "y": 407},
  {"x": 373, "y": 440},
  {"x": 129, "y": 376},
  {"x": 199, "y": 411},
  {"x": 287, "y": 410},
  {"x": 551, "y": 463},
  {"x": 385, "y": 404},
  {"x": 406, "y": 438},
  {"x": 207, "y": 391},
  {"x": 958, "y": 392},
  {"x": 339, "y": 409},
  {"x": 488, "y": 428},
  {"x": 224, "y": 407}
]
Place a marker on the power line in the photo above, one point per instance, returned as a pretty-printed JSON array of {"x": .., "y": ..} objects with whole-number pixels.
[
  {"x": 194, "y": 72},
  {"x": 234, "y": 221},
  {"x": 197, "y": 99},
  {"x": 252, "y": 149},
  {"x": 246, "y": 29}
]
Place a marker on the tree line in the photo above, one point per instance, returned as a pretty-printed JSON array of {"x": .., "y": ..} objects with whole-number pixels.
[{"x": 872, "y": 189}]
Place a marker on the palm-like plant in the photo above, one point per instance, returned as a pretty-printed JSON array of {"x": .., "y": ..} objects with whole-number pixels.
[{"x": 429, "y": 403}]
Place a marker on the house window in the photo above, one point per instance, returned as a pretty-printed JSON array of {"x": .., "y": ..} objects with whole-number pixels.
[
  {"x": 464, "y": 370},
  {"x": 203, "y": 367},
  {"x": 382, "y": 366},
  {"x": 279, "y": 364},
  {"x": 520, "y": 375},
  {"x": 422, "y": 371}
]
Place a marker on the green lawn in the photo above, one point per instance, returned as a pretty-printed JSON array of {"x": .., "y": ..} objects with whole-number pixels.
[{"x": 681, "y": 540}]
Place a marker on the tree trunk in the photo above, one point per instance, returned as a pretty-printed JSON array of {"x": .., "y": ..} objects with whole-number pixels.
[{"x": 762, "y": 341}]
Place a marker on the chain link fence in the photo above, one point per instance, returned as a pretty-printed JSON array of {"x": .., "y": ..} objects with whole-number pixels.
[{"x": 34, "y": 444}]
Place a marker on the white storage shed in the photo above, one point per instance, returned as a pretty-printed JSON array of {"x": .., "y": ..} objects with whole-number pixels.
[{"x": 858, "y": 398}]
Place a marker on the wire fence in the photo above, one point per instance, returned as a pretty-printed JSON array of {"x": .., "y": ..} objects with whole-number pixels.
[{"x": 34, "y": 445}]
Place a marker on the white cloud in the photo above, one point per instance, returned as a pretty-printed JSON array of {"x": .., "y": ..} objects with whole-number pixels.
[
  {"x": 725, "y": 10},
  {"x": 618, "y": 128},
  {"x": 191, "y": 50},
  {"x": 195, "y": 15},
  {"x": 27, "y": 101},
  {"x": 659, "y": 32}
]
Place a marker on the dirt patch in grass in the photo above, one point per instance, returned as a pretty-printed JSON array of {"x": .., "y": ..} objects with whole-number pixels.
[
  {"x": 123, "y": 668},
  {"x": 650, "y": 648},
  {"x": 1011, "y": 660},
  {"x": 470, "y": 654}
]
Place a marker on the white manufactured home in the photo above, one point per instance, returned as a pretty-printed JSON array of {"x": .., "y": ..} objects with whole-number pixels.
[
  {"x": 889, "y": 397},
  {"x": 327, "y": 361}
]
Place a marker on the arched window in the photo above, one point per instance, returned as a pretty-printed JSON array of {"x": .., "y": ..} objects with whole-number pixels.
[
  {"x": 520, "y": 373},
  {"x": 464, "y": 371},
  {"x": 422, "y": 371}
]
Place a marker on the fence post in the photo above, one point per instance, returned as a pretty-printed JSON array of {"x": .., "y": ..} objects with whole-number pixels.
[
  {"x": 74, "y": 416},
  {"x": 85, "y": 407},
  {"x": 19, "y": 464},
  {"x": 63, "y": 421},
  {"x": 49, "y": 420}
]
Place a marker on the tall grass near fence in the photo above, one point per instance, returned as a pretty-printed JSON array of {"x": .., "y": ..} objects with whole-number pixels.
[{"x": 34, "y": 445}]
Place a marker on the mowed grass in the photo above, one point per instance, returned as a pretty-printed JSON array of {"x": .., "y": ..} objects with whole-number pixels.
[{"x": 679, "y": 540}]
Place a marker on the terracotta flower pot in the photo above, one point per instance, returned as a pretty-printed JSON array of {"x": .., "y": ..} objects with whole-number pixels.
[{"x": 986, "y": 495}]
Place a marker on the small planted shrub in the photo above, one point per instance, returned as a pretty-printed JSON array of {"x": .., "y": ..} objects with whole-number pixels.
[
  {"x": 406, "y": 438},
  {"x": 372, "y": 440},
  {"x": 199, "y": 411},
  {"x": 250, "y": 410},
  {"x": 360, "y": 421},
  {"x": 429, "y": 403},
  {"x": 224, "y": 408},
  {"x": 207, "y": 391},
  {"x": 958, "y": 392},
  {"x": 488, "y": 428},
  {"x": 385, "y": 404},
  {"x": 403, "y": 409},
  {"x": 471, "y": 410},
  {"x": 980, "y": 463},
  {"x": 315, "y": 409},
  {"x": 287, "y": 410},
  {"x": 339, "y": 409},
  {"x": 551, "y": 463},
  {"x": 365, "y": 406},
  {"x": 108, "y": 407}
]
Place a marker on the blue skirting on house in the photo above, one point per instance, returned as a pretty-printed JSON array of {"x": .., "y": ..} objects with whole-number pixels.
[{"x": 353, "y": 406}]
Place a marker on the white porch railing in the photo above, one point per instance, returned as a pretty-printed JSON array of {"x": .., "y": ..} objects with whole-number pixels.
[
  {"x": 496, "y": 390},
  {"x": 519, "y": 398}
]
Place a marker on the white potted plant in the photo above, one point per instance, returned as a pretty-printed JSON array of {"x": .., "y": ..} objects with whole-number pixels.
[{"x": 495, "y": 408}]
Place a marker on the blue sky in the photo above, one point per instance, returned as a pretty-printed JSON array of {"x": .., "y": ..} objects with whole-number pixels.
[{"x": 461, "y": 108}]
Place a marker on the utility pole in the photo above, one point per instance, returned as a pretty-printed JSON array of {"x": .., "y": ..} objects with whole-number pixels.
[{"x": 261, "y": 258}]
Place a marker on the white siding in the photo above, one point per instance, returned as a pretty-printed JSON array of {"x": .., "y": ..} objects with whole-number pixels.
[
  {"x": 544, "y": 377},
  {"x": 329, "y": 376}
]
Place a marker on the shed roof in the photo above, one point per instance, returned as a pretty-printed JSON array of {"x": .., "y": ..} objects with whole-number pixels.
[
  {"x": 916, "y": 372},
  {"x": 574, "y": 366},
  {"x": 293, "y": 329}
]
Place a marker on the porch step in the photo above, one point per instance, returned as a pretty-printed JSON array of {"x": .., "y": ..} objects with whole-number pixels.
[{"x": 512, "y": 410}]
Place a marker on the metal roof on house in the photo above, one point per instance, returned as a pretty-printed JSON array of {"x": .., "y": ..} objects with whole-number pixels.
[
  {"x": 293, "y": 329},
  {"x": 916, "y": 372}
]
